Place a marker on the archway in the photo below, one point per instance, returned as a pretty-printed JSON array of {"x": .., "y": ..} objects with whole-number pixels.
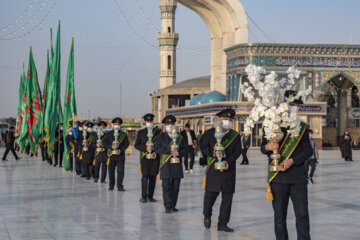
[
  {"x": 341, "y": 93},
  {"x": 227, "y": 23}
]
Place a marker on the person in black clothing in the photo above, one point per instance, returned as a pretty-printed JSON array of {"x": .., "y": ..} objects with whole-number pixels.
[
  {"x": 70, "y": 142},
  {"x": 117, "y": 155},
  {"x": 10, "y": 139},
  {"x": 59, "y": 147},
  {"x": 171, "y": 170},
  {"x": 89, "y": 154},
  {"x": 42, "y": 144},
  {"x": 149, "y": 166},
  {"x": 291, "y": 183},
  {"x": 78, "y": 148},
  {"x": 220, "y": 181},
  {"x": 101, "y": 155},
  {"x": 190, "y": 140},
  {"x": 245, "y": 144},
  {"x": 345, "y": 146}
]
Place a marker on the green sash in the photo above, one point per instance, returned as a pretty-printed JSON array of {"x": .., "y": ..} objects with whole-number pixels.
[
  {"x": 89, "y": 141},
  {"x": 156, "y": 132},
  {"x": 226, "y": 141},
  {"x": 165, "y": 157},
  {"x": 286, "y": 149}
]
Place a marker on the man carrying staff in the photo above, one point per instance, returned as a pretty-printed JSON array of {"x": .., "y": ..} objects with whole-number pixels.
[
  {"x": 216, "y": 180},
  {"x": 101, "y": 155},
  {"x": 116, "y": 154},
  {"x": 171, "y": 170},
  {"x": 149, "y": 161},
  {"x": 291, "y": 181}
]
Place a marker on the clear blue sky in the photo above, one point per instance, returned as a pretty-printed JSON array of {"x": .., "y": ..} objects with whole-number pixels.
[{"x": 108, "y": 52}]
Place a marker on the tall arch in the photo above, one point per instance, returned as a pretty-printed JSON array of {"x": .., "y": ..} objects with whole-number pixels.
[{"x": 227, "y": 24}]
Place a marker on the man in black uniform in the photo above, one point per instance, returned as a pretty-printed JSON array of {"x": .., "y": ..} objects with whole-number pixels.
[
  {"x": 42, "y": 144},
  {"x": 223, "y": 181},
  {"x": 10, "y": 139},
  {"x": 245, "y": 144},
  {"x": 190, "y": 139},
  {"x": 59, "y": 146},
  {"x": 70, "y": 141},
  {"x": 149, "y": 166},
  {"x": 88, "y": 154},
  {"x": 116, "y": 155},
  {"x": 171, "y": 170},
  {"x": 291, "y": 181},
  {"x": 101, "y": 156},
  {"x": 78, "y": 148}
]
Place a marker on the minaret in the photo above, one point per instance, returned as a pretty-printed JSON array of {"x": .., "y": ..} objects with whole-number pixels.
[{"x": 168, "y": 40}]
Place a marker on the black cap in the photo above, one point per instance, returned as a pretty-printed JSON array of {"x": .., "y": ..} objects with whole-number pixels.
[
  {"x": 89, "y": 124},
  {"x": 84, "y": 122},
  {"x": 230, "y": 113},
  {"x": 169, "y": 119},
  {"x": 102, "y": 123},
  {"x": 117, "y": 120},
  {"x": 148, "y": 117},
  {"x": 79, "y": 123},
  {"x": 292, "y": 93},
  {"x": 12, "y": 127}
]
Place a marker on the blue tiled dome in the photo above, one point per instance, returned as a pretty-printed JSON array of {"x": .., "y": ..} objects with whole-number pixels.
[
  {"x": 197, "y": 99},
  {"x": 212, "y": 97}
]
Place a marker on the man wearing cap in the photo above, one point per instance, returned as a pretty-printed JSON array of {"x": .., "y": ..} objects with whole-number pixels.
[
  {"x": 101, "y": 155},
  {"x": 59, "y": 146},
  {"x": 10, "y": 139},
  {"x": 171, "y": 170},
  {"x": 291, "y": 181},
  {"x": 77, "y": 147},
  {"x": 116, "y": 154},
  {"x": 89, "y": 153},
  {"x": 223, "y": 180},
  {"x": 149, "y": 165},
  {"x": 70, "y": 141}
]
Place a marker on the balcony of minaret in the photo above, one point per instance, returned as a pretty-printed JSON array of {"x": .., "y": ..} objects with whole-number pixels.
[{"x": 168, "y": 38}]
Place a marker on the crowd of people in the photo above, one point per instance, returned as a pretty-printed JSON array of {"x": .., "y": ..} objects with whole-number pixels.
[{"x": 163, "y": 153}]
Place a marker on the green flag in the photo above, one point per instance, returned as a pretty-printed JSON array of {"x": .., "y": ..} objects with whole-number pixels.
[
  {"x": 31, "y": 125},
  {"x": 20, "y": 96},
  {"x": 46, "y": 81},
  {"x": 53, "y": 98},
  {"x": 69, "y": 103}
]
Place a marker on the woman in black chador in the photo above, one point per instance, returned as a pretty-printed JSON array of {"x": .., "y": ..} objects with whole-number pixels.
[{"x": 345, "y": 146}]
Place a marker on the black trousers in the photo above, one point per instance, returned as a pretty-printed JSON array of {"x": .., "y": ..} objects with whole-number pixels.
[
  {"x": 148, "y": 186},
  {"x": 10, "y": 147},
  {"x": 312, "y": 163},
  {"x": 192, "y": 158},
  {"x": 58, "y": 154},
  {"x": 103, "y": 167},
  {"x": 43, "y": 151},
  {"x": 298, "y": 194},
  {"x": 225, "y": 207},
  {"x": 245, "y": 158},
  {"x": 77, "y": 165},
  {"x": 119, "y": 165},
  {"x": 88, "y": 168},
  {"x": 71, "y": 166},
  {"x": 171, "y": 188}
]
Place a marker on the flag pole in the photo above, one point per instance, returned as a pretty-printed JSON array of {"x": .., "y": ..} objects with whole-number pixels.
[{"x": 73, "y": 153}]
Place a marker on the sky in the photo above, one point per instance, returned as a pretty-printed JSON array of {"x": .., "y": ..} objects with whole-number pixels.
[{"x": 116, "y": 54}]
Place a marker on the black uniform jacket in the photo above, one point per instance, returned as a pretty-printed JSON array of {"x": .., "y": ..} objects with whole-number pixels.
[
  {"x": 78, "y": 143},
  {"x": 101, "y": 156},
  {"x": 108, "y": 140},
  {"x": 217, "y": 181},
  {"x": 149, "y": 167},
  {"x": 69, "y": 139},
  {"x": 57, "y": 139},
  {"x": 162, "y": 146},
  {"x": 88, "y": 156},
  {"x": 296, "y": 173}
]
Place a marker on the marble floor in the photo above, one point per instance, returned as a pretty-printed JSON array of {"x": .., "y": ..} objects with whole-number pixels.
[{"x": 38, "y": 201}]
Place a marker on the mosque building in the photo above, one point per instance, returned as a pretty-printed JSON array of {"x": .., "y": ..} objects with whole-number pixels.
[{"x": 332, "y": 70}]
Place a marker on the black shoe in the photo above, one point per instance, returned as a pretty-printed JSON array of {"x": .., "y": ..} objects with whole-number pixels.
[
  {"x": 82, "y": 176},
  {"x": 242, "y": 163},
  {"x": 17, "y": 158},
  {"x": 143, "y": 200},
  {"x": 96, "y": 180},
  {"x": 225, "y": 229},
  {"x": 87, "y": 178},
  {"x": 175, "y": 210},
  {"x": 152, "y": 200},
  {"x": 168, "y": 211},
  {"x": 311, "y": 180},
  {"x": 60, "y": 165},
  {"x": 70, "y": 170},
  {"x": 4, "y": 159},
  {"x": 111, "y": 189},
  {"x": 103, "y": 182},
  {"x": 55, "y": 165},
  {"x": 207, "y": 223},
  {"x": 121, "y": 189}
]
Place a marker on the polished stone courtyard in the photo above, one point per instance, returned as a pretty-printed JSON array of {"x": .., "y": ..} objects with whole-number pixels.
[{"x": 38, "y": 201}]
